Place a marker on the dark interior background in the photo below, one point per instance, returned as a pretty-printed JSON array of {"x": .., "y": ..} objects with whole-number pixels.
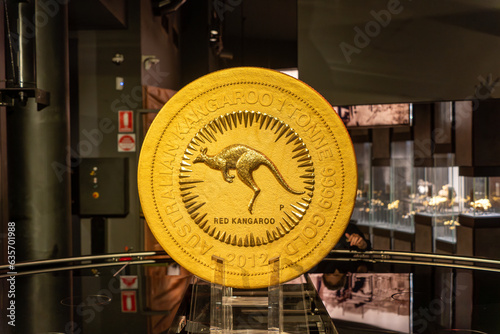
[{"x": 423, "y": 51}]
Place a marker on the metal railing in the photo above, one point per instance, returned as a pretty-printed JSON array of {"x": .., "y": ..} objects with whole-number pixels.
[{"x": 140, "y": 258}]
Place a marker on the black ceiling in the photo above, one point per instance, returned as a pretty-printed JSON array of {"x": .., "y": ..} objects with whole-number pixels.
[{"x": 97, "y": 14}]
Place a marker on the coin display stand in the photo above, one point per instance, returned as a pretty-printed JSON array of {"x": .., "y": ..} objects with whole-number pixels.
[
  {"x": 292, "y": 307},
  {"x": 225, "y": 303}
]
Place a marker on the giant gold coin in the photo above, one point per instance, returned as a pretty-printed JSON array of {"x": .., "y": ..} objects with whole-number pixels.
[{"x": 247, "y": 165}]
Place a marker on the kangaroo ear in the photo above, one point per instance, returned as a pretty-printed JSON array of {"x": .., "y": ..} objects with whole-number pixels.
[{"x": 204, "y": 150}]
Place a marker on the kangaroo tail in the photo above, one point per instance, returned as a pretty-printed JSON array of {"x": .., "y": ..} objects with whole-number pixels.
[{"x": 280, "y": 178}]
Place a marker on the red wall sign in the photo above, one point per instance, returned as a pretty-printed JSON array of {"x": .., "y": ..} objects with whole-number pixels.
[
  {"x": 125, "y": 121},
  {"x": 129, "y": 301},
  {"x": 126, "y": 142}
]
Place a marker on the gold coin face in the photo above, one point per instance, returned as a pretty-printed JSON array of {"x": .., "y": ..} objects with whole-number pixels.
[{"x": 247, "y": 165}]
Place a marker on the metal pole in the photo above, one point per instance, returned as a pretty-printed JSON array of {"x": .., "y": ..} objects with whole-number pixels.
[
  {"x": 27, "y": 45},
  {"x": 38, "y": 167}
]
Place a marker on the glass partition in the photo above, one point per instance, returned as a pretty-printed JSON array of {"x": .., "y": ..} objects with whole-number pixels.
[
  {"x": 380, "y": 196},
  {"x": 361, "y": 212},
  {"x": 401, "y": 206}
]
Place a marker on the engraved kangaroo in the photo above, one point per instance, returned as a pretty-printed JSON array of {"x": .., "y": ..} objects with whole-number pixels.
[{"x": 244, "y": 160}]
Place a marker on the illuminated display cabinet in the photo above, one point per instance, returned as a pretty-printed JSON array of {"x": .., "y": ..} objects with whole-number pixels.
[
  {"x": 478, "y": 158},
  {"x": 479, "y": 229},
  {"x": 421, "y": 184},
  {"x": 437, "y": 199},
  {"x": 480, "y": 199},
  {"x": 401, "y": 204},
  {"x": 380, "y": 196}
]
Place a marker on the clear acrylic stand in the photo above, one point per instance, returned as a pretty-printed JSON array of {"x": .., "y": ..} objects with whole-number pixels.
[
  {"x": 225, "y": 303},
  {"x": 216, "y": 294},
  {"x": 275, "y": 298}
]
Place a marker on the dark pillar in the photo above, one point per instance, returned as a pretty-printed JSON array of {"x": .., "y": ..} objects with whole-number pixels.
[
  {"x": 38, "y": 168},
  {"x": 423, "y": 144},
  {"x": 4, "y": 214}
]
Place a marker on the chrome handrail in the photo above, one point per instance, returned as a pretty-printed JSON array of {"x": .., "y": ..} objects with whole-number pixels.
[
  {"x": 427, "y": 255},
  {"x": 80, "y": 266},
  {"x": 374, "y": 256},
  {"x": 82, "y": 258},
  {"x": 414, "y": 262}
]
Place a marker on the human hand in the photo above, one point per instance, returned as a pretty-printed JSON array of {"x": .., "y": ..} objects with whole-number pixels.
[{"x": 356, "y": 240}]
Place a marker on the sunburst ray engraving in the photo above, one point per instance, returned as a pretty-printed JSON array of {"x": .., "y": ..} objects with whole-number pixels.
[{"x": 244, "y": 160}]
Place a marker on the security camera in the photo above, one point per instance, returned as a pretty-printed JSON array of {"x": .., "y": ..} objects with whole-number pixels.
[{"x": 118, "y": 59}]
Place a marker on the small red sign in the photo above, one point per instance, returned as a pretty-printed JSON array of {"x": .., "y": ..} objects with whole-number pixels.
[
  {"x": 129, "y": 301},
  {"x": 125, "y": 121},
  {"x": 126, "y": 142}
]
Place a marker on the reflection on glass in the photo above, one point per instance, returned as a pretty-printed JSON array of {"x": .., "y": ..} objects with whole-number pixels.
[
  {"x": 382, "y": 300},
  {"x": 375, "y": 114}
]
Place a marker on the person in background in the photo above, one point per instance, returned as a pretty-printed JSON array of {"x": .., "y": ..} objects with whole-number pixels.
[
  {"x": 334, "y": 272},
  {"x": 353, "y": 239}
]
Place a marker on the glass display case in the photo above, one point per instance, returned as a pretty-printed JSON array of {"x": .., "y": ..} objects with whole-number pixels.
[
  {"x": 423, "y": 189},
  {"x": 480, "y": 197},
  {"x": 400, "y": 206},
  {"x": 391, "y": 203},
  {"x": 361, "y": 212},
  {"x": 436, "y": 198},
  {"x": 380, "y": 196}
]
